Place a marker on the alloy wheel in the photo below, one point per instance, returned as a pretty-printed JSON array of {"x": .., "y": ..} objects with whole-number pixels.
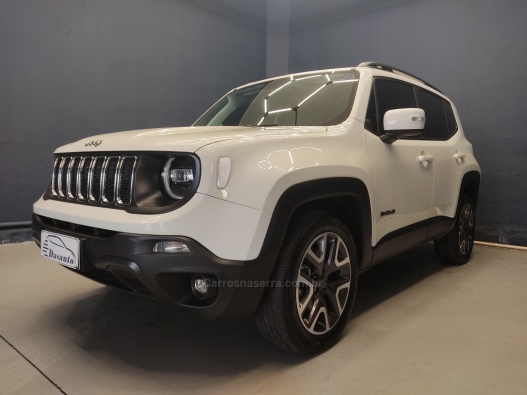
[
  {"x": 323, "y": 283},
  {"x": 466, "y": 228}
]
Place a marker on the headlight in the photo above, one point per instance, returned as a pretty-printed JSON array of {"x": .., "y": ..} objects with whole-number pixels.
[{"x": 178, "y": 176}]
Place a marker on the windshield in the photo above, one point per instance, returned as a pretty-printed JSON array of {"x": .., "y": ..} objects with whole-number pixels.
[{"x": 317, "y": 99}]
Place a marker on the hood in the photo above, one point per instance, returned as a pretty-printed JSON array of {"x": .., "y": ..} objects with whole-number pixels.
[{"x": 181, "y": 139}]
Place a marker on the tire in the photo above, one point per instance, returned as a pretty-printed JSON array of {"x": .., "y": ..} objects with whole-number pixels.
[
  {"x": 319, "y": 260},
  {"x": 456, "y": 247}
]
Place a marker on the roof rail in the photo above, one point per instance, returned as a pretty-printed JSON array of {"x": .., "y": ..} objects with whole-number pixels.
[{"x": 391, "y": 69}]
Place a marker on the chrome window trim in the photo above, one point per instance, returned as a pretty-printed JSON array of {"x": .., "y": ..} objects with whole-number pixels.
[
  {"x": 59, "y": 181},
  {"x": 104, "y": 200},
  {"x": 118, "y": 199},
  {"x": 93, "y": 163}
]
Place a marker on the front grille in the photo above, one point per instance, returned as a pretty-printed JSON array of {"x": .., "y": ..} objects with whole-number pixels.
[{"x": 94, "y": 179}]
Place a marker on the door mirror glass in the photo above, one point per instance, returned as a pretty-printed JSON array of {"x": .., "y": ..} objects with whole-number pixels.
[{"x": 403, "y": 122}]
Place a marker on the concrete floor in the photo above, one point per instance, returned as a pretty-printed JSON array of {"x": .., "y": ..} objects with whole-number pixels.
[{"x": 418, "y": 328}]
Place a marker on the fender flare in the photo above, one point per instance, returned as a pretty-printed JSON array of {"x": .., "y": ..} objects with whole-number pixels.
[
  {"x": 470, "y": 177},
  {"x": 309, "y": 191}
]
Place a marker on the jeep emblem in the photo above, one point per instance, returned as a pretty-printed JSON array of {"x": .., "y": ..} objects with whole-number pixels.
[{"x": 94, "y": 143}]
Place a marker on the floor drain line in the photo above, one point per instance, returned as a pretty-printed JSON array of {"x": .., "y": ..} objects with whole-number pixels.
[{"x": 32, "y": 364}]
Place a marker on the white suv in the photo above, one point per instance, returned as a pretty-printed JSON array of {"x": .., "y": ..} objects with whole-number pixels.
[{"x": 272, "y": 203}]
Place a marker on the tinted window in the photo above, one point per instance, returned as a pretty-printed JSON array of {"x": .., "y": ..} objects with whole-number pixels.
[
  {"x": 308, "y": 100},
  {"x": 392, "y": 95},
  {"x": 452, "y": 124},
  {"x": 370, "y": 122},
  {"x": 436, "y": 127}
]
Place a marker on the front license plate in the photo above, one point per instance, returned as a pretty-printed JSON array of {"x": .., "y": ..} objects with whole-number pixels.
[{"x": 61, "y": 249}]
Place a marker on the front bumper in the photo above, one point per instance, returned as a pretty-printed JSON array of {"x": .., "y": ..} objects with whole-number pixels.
[{"x": 126, "y": 261}]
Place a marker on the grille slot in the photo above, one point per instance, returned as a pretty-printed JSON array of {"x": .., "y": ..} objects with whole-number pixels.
[
  {"x": 102, "y": 276},
  {"x": 82, "y": 180},
  {"x": 94, "y": 178},
  {"x": 72, "y": 177},
  {"x": 108, "y": 179},
  {"x": 54, "y": 180},
  {"x": 136, "y": 285},
  {"x": 63, "y": 177},
  {"x": 125, "y": 180}
]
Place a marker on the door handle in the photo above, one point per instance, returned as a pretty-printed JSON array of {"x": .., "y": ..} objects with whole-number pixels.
[
  {"x": 425, "y": 159},
  {"x": 459, "y": 155}
]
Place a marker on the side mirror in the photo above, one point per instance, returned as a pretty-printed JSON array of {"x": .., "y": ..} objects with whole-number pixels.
[{"x": 403, "y": 122}]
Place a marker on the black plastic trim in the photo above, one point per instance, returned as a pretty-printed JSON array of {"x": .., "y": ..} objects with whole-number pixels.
[
  {"x": 297, "y": 195},
  {"x": 410, "y": 236},
  {"x": 129, "y": 261},
  {"x": 471, "y": 177}
]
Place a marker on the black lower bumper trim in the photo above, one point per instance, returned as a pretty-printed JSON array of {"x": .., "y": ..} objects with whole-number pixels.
[{"x": 126, "y": 261}]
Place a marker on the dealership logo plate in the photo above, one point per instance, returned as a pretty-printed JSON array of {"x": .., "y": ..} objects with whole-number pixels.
[{"x": 61, "y": 249}]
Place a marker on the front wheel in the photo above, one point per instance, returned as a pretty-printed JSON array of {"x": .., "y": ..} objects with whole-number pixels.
[
  {"x": 456, "y": 246},
  {"x": 314, "y": 285}
]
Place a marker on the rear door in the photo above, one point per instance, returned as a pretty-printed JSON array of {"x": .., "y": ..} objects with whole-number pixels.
[
  {"x": 403, "y": 185},
  {"x": 449, "y": 151}
]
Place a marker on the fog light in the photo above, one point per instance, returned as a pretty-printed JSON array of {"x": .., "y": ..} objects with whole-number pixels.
[
  {"x": 173, "y": 247},
  {"x": 203, "y": 286},
  {"x": 200, "y": 285}
]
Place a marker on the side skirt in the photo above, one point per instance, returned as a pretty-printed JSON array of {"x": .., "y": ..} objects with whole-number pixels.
[{"x": 411, "y": 236}]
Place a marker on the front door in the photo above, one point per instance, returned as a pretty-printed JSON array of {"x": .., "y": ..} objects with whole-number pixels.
[{"x": 403, "y": 179}]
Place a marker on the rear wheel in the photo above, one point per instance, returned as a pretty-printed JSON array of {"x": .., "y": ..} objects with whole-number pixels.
[
  {"x": 456, "y": 246},
  {"x": 314, "y": 285}
]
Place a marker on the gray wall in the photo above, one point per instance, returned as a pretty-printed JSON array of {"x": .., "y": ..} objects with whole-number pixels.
[
  {"x": 73, "y": 68},
  {"x": 475, "y": 51},
  {"x": 278, "y": 16}
]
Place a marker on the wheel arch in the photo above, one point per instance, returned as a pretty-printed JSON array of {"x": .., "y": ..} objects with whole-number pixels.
[
  {"x": 346, "y": 197},
  {"x": 470, "y": 186}
]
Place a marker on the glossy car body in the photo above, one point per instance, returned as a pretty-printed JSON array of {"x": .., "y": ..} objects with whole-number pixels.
[{"x": 389, "y": 197}]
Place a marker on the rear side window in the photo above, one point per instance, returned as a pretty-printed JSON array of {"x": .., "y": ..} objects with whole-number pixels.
[
  {"x": 392, "y": 95},
  {"x": 452, "y": 124},
  {"x": 436, "y": 127}
]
